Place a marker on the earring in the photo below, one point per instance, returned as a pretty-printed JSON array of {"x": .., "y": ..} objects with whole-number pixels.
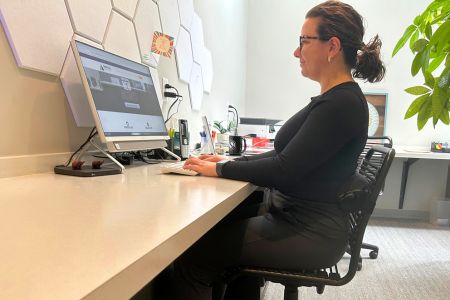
[{"x": 329, "y": 59}]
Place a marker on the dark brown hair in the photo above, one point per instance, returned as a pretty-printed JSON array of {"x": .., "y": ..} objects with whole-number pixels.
[{"x": 341, "y": 20}]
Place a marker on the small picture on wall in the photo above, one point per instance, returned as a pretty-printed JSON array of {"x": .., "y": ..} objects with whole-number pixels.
[{"x": 377, "y": 112}]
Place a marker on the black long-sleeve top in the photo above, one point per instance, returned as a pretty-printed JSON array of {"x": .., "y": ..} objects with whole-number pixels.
[{"x": 314, "y": 151}]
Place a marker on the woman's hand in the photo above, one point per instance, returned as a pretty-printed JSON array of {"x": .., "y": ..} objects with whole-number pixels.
[
  {"x": 204, "y": 167},
  {"x": 211, "y": 158}
]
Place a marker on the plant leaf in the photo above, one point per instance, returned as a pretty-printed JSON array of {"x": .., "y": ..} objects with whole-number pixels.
[
  {"x": 435, "y": 63},
  {"x": 401, "y": 42},
  {"x": 428, "y": 31},
  {"x": 444, "y": 117},
  {"x": 416, "y": 64},
  {"x": 417, "y": 90},
  {"x": 425, "y": 59},
  {"x": 413, "y": 40},
  {"x": 447, "y": 60},
  {"x": 429, "y": 79},
  {"x": 417, "y": 20},
  {"x": 440, "y": 37},
  {"x": 444, "y": 79},
  {"x": 424, "y": 115},
  {"x": 419, "y": 45},
  {"x": 416, "y": 105},
  {"x": 437, "y": 103}
]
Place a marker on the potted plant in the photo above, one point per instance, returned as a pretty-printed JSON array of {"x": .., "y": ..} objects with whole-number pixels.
[{"x": 429, "y": 40}]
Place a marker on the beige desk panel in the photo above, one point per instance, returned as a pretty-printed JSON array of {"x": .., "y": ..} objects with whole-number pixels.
[{"x": 102, "y": 238}]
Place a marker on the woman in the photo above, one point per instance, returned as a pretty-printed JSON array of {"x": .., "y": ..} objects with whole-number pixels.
[{"x": 315, "y": 152}]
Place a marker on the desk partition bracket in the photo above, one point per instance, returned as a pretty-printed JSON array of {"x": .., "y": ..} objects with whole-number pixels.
[{"x": 409, "y": 162}]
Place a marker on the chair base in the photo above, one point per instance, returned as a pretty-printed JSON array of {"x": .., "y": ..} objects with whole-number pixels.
[{"x": 372, "y": 254}]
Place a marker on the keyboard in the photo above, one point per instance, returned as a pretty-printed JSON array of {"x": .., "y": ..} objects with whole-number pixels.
[{"x": 177, "y": 168}]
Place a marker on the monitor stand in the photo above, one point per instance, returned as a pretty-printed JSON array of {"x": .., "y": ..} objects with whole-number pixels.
[{"x": 122, "y": 167}]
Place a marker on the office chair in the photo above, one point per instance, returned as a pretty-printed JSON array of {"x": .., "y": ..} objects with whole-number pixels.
[
  {"x": 385, "y": 141},
  {"x": 358, "y": 199}
]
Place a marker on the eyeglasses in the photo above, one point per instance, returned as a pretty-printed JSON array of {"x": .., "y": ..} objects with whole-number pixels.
[{"x": 306, "y": 37}]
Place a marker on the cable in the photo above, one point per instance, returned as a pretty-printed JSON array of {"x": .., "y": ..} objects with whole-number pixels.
[
  {"x": 178, "y": 100},
  {"x": 237, "y": 118},
  {"x": 91, "y": 135}
]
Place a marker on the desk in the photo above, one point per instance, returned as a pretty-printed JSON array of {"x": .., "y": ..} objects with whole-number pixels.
[
  {"x": 102, "y": 238},
  {"x": 412, "y": 154}
]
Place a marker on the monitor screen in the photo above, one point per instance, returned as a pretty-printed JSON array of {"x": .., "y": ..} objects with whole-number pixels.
[{"x": 122, "y": 96}]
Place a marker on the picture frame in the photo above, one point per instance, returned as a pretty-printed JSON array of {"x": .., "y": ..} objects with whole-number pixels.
[{"x": 377, "y": 103}]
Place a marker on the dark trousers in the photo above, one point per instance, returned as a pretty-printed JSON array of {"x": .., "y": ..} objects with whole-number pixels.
[{"x": 250, "y": 235}]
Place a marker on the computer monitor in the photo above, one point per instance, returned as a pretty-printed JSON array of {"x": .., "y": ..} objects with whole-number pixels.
[
  {"x": 209, "y": 140},
  {"x": 122, "y": 98}
]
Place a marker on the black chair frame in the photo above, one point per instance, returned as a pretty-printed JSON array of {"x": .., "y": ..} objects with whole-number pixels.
[{"x": 385, "y": 141}]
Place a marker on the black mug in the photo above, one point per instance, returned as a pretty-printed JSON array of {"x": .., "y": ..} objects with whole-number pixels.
[{"x": 238, "y": 145}]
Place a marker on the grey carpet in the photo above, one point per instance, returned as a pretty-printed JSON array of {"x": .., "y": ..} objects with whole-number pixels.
[{"x": 413, "y": 263}]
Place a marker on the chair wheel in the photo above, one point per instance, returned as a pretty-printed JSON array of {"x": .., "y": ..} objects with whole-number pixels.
[
  {"x": 359, "y": 266},
  {"x": 373, "y": 254}
]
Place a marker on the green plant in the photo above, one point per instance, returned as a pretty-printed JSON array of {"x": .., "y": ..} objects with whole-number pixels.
[
  {"x": 224, "y": 129},
  {"x": 429, "y": 40}
]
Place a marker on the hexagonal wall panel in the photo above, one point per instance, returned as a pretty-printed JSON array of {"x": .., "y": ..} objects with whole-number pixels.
[
  {"x": 183, "y": 53},
  {"x": 89, "y": 18},
  {"x": 196, "y": 87},
  {"x": 36, "y": 42},
  {"x": 146, "y": 22},
  {"x": 170, "y": 18},
  {"x": 197, "y": 40},
  {"x": 186, "y": 8},
  {"x": 126, "y": 7},
  {"x": 207, "y": 71},
  {"x": 121, "y": 38}
]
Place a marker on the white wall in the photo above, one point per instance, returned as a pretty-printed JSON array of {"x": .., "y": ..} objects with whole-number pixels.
[
  {"x": 224, "y": 26},
  {"x": 276, "y": 89}
]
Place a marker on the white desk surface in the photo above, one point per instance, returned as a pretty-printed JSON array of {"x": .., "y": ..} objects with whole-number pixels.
[
  {"x": 65, "y": 237},
  {"x": 418, "y": 152}
]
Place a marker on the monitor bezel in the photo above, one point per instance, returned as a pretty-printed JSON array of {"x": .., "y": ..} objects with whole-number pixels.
[{"x": 93, "y": 108}]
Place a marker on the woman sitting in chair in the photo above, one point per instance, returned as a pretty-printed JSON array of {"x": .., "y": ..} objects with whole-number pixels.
[{"x": 315, "y": 152}]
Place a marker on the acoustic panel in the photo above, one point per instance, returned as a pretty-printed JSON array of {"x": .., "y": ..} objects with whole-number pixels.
[
  {"x": 126, "y": 7},
  {"x": 37, "y": 43},
  {"x": 89, "y": 18},
  {"x": 196, "y": 87},
  {"x": 207, "y": 71},
  {"x": 121, "y": 38},
  {"x": 170, "y": 18},
  {"x": 197, "y": 40},
  {"x": 183, "y": 53},
  {"x": 186, "y": 8},
  {"x": 146, "y": 23}
]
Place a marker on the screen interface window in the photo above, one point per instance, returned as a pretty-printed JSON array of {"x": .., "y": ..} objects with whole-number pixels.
[{"x": 124, "y": 94}]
